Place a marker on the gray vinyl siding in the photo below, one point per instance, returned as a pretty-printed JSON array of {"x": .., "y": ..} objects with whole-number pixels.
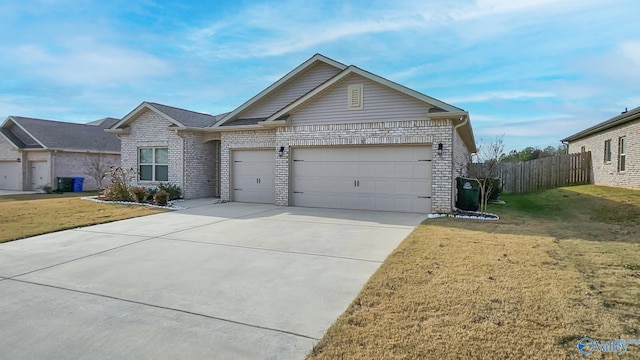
[
  {"x": 380, "y": 103},
  {"x": 296, "y": 87}
]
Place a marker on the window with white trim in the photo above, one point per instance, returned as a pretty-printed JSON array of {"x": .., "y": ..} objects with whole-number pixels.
[
  {"x": 153, "y": 164},
  {"x": 622, "y": 153},
  {"x": 607, "y": 151}
]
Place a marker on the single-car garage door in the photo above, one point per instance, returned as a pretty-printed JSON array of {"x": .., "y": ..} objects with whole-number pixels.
[
  {"x": 387, "y": 178},
  {"x": 10, "y": 175},
  {"x": 253, "y": 176}
]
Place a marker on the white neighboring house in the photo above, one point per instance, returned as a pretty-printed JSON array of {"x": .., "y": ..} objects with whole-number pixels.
[
  {"x": 34, "y": 152},
  {"x": 615, "y": 149},
  {"x": 324, "y": 135}
]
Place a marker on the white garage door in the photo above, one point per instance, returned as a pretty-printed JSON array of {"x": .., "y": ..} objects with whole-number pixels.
[
  {"x": 387, "y": 178},
  {"x": 253, "y": 176},
  {"x": 10, "y": 175},
  {"x": 39, "y": 174}
]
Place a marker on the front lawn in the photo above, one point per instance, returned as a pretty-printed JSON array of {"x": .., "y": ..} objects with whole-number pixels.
[
  {"x": 33, "y": 214},
  {"x": 560, "y": 265}
]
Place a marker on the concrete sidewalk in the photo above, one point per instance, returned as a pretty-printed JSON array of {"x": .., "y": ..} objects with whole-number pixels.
[
  {"x": 15, "y": 192},
  {"x": 229, "y": 281}
]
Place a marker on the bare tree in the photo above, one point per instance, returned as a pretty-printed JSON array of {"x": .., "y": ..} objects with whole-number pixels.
[
  {"x": 486, "y": 169},
  {"x": 97, "y": 164}
]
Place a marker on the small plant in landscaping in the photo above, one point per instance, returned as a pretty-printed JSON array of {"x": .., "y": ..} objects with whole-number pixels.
[
  {"x": 161, "y": 198},
  {"x": 174, "y": 191},
  {"x": 119, "y": 188},
  {"x": 151, "y": 192},
  {"x": 139, "y": 194}
]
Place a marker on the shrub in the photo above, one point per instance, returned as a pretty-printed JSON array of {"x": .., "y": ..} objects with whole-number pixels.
[
  {"x": 174, "y": 191},
  {"x": 139, "y": 194},
  {"x": 119, "y": 189},
  {"x": 151, "y": 192},
  {"x": 161, "y": 198}
]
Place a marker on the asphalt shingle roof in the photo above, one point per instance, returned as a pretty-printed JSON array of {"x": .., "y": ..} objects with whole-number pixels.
[
  {"x": 626, "y": 116},
  {"x": 186, "y": 117},
  {"x": 72, "y": 136}
]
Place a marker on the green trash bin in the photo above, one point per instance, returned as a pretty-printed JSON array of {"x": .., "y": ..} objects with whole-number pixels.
[
  {"x": 65, "y": 184},
  {"x": 468, "y": 194}
]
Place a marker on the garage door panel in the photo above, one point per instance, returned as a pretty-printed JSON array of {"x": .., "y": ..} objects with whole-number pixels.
[
  {"x": 10, "y": 175},
  {"x": 391, "y": 178},
  {"x": 253, "y": 176},
  {"x": 341, "y": 168}
]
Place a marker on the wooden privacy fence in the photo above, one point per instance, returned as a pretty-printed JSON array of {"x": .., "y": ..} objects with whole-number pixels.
[{"x": 545, "y": 173}]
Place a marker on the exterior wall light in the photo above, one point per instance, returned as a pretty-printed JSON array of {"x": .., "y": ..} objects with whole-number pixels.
[
  {"x": 281, "y": 151},
  {"x": 18, "y": 160},
  {"x": 440, "y": 148}
]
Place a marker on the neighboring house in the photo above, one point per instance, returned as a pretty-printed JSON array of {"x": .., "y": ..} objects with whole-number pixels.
[
  {"x": 34, "y": 152},
  {"x": 615, "y": 149},
  {"x": 324, "y": 135}
]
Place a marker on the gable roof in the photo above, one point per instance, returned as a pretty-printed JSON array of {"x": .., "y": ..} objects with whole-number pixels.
[
  {"x": 305, "y": 65},
  {"x": 178, "y": 117},
  {"x": 442, "y": 106},
  {"x": 30, "y": 133},
  {"x": 627, "y": 116}
]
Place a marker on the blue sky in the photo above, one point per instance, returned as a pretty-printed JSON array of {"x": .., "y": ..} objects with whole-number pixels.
[{"x": 534, "y": 71}]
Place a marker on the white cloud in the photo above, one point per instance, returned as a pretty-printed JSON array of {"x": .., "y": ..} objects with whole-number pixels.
[
  {"x": 621, "y": 63},
  {"x": 500, "y": 95},
  {"x": 86, "y": 62}
]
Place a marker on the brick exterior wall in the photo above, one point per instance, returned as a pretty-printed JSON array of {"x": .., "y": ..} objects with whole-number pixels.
[
  {"x": 426, "y": 132},
  {"x": 72, "y": 164},
  {"x": 193, "y": 163},
  {"x": 606, "y": 173}
]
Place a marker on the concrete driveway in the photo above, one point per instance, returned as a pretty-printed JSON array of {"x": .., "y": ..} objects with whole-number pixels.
[{"x": 226, "y": 281}]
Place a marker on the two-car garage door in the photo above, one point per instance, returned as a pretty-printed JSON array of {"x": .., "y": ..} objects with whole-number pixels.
[{"x": 385, "y": 178}]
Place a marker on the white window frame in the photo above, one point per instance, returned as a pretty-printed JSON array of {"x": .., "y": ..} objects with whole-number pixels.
[
  {"x": 153, "y": 163},
  {"x": 622, "y": 153}
]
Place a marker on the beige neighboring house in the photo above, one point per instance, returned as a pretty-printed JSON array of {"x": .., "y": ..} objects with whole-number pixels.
[
  {"x": 324, "y": 135},
  {"x": 34, "y": 152},
  {"x": 615, "y": 149}
]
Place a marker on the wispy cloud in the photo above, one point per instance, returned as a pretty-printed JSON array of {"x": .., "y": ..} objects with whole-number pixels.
[
  {"x": 500, "y": 95},
  {"x": 89, "y": 63}
]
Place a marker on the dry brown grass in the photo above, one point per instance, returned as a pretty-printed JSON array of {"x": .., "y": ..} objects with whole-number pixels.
[
  {"x": 556, "y": 268},
  {"x": 28, "y": 215}
]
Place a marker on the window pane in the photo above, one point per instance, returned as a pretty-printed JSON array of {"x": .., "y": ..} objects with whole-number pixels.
[
  {"x": 162, "y": 156},
  {"x": 607, "y": 150},
  {"x": 146, "y": 172},
  {"x": 622, "y": 146},
  {"x": 146, "y": 156},
  {"x": 162, "y": 173},
  {"x": 622, "y": 165}
]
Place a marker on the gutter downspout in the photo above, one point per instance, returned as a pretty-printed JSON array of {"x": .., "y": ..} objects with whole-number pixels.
[{"x": 453, "y": 169}]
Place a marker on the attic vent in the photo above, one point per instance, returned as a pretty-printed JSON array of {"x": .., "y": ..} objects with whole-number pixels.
[{"x": 354, "y": 94}]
